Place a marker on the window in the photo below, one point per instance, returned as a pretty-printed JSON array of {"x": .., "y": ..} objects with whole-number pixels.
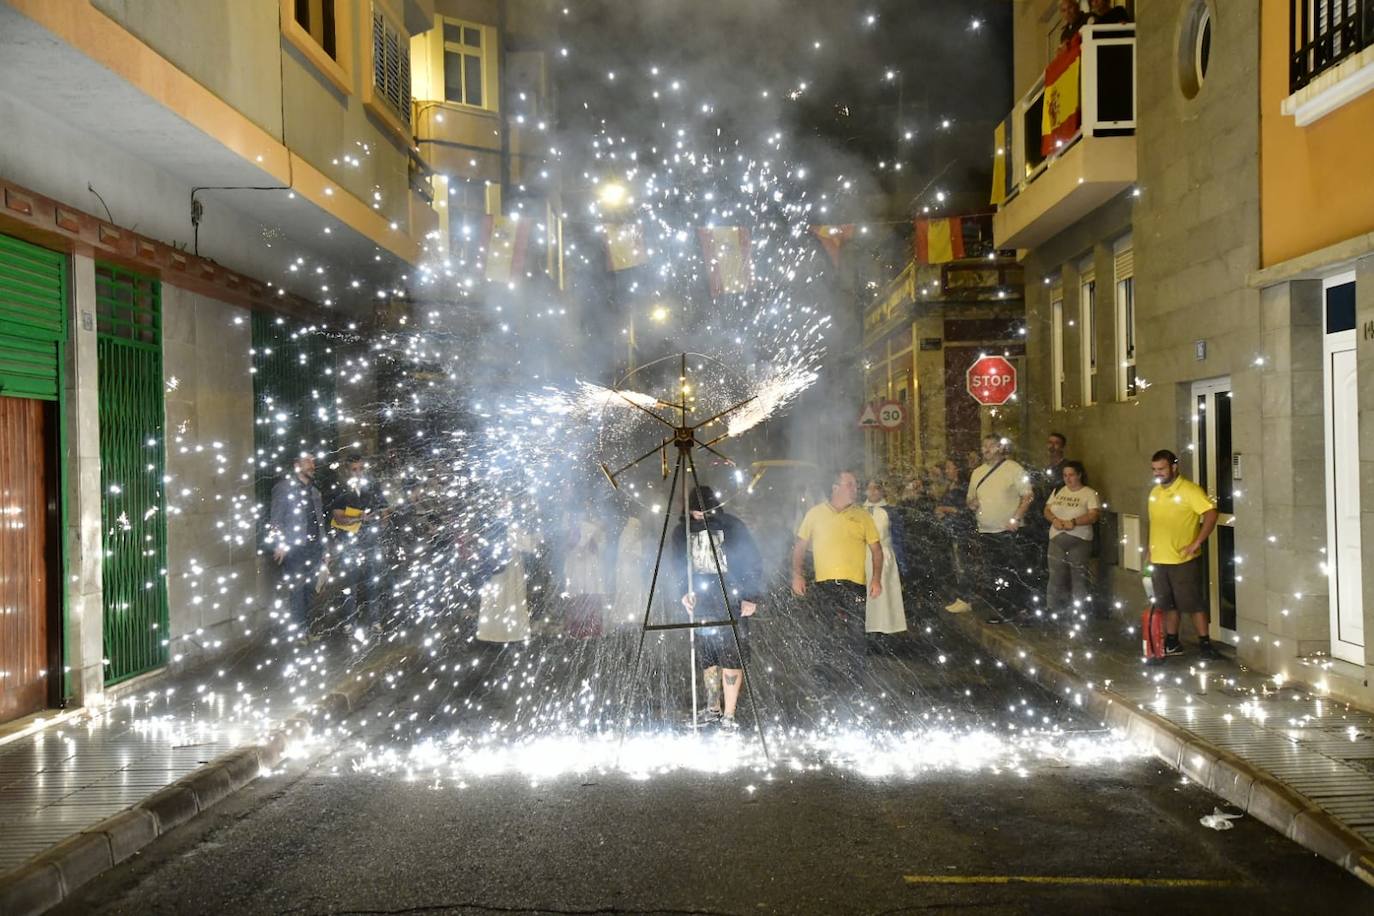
[
  {"x": 321, "y": 31},
  {"x": 391, "y": 67},
  {"x": 464, "y": 49},
  {"x": 1057, "y": 348},
  {"x": 1087, "y": 307},
  {"x": 1326, "y": 32},
  {"x": 1126, "y": 383},
  {"x": 1194, "y": 47},
  {"x": 316, "y": 17}
]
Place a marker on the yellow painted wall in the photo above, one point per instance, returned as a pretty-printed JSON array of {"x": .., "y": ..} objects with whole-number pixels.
[{"x": 1316, "y": 182}]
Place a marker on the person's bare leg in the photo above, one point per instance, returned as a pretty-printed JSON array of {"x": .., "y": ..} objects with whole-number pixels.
[
  {"x": 734, "y": 680},
  {"x": 712, "y": 677},
  {"x": 1171, "y": 622},
  {"x": 1201, "y": 623}
]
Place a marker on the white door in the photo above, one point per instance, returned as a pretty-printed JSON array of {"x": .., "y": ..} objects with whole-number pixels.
[
  {"x": 1342, "y": 409},
  {"x": 1215, "y": 469}
]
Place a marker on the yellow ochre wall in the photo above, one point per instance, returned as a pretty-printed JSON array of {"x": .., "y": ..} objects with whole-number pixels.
[{"x": 1315, "y": 187}]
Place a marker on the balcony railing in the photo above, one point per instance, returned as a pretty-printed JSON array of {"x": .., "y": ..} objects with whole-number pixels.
[
  {"x": 1324, "y": 33},
  {"x": 1107, "y": 106}
]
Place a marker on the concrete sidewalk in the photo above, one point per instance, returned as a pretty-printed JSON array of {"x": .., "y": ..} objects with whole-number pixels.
[
  {"x": 137, "y": 757},
  {"x": 1301, "y": 762}
]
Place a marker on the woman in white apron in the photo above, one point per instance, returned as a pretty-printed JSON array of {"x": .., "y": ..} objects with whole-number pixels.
[
  {"x": 631, "y": 580},
  {"x": 886, "y": 613}
]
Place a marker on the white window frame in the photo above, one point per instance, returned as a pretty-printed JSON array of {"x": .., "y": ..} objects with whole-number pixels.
[
  {"x": 1087, "y": 336},
  {"x": 1057, "y": 347},
  {"x": 481, "y": 52},
  {"x": 1126, "y": 340},
  {"x": 1338, "y": 574}
]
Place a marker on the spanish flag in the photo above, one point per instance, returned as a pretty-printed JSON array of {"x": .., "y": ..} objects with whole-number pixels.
[
  {"x": 506, "y": 237},
  {"x": 833, "y": 238},
  {"x": 625, "y": 246},
  {"x": 727, "y": 254},
  {"x": 1063, "y": 110},
  {"x": 939, "y": 240}
]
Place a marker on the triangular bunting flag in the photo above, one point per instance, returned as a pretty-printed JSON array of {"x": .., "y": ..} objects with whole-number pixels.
[
  {"x": 833, "y": 238},
  {"x": 507, "y": 238},
  {"x": 625, "y": 246},
  {"x": 727, "y": 254}
]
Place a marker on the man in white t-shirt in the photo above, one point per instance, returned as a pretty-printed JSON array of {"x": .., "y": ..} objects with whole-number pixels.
[
  {"x": 999, "y": 493},
  {"x": 1071, "y": 510}
]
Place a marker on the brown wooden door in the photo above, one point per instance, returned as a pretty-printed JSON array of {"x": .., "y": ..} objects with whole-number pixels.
[{"x": 24, "y": 586}]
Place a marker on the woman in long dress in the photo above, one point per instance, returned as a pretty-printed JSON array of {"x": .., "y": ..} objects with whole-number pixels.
[
  {"x": 504, "y": 615},
  {"x": 631, "y": 581},
  {"x": 584, "y": 579},
  {"x": 886, "y": 613}
]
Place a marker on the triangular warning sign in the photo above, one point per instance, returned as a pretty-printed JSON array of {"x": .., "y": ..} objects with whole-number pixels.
[{"x": 869, "y": 418}]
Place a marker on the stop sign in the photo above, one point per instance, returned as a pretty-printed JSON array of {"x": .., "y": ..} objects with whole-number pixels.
[{"x": 991, "y": 380}]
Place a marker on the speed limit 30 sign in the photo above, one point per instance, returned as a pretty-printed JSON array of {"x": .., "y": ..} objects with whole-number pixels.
[{"x": 991, "y": 380}]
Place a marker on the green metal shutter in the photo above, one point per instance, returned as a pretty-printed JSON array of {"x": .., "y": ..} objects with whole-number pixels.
[
  {"x": 33, "y": 310},
  {"x": 294, "y": 399},
  {"x": 134, "y": 539}
]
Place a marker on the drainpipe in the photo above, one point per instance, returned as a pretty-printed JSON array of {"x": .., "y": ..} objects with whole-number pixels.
[{"x": 502, "y": 98}]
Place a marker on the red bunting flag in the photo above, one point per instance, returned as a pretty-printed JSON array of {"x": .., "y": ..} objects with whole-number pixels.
[
  {"x": 833, "y": 238},
  {"x": 506, "y": 239}
]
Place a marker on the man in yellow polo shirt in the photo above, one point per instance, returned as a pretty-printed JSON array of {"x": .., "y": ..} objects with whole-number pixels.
[
  {"x": 1182, "y": 517},
  {"x": 839, "y": 532}
]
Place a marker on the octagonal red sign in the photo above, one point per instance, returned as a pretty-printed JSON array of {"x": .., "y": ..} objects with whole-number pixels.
[{"x": 991, "y": 380}]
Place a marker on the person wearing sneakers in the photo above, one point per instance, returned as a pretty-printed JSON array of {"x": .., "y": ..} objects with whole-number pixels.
[
  {"x": 1182, "y": 517},
  {"x": 720, "y": 548}
]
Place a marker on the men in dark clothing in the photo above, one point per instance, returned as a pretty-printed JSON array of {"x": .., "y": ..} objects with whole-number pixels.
[
  {"x": 295, "y": 532},
  {"x": 356, "y": 512},
  {"x": 1101, "y": 12},
  {"x": 1073, "y": 18},
  {"x": 721, "y": 541}
]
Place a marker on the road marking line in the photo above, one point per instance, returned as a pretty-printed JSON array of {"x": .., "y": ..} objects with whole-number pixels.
[{"x": 1069, "y": 880}]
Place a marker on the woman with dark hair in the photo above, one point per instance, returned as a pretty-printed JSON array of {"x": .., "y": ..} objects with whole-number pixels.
[
  {"x": 720, "y": 547},
  {"x": 1071, "y": 510}
]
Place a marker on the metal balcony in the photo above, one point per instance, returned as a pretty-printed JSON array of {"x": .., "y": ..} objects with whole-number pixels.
[{"x": 1050, "y": 185}]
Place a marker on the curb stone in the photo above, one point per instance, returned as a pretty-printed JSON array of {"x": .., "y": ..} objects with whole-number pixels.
[
  {"x": 55, "y": 874},
  {"x": 1252, "y": 789}
]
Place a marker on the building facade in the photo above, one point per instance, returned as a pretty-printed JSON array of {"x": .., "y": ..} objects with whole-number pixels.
[
  {"x": 921, "y": 334},
  {"x": 184, "y": 187},
  {"x": 1179, "y": 266}
]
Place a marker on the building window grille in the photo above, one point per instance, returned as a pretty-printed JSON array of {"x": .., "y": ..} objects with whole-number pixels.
[
  {"x": 1323, "y": 33},
  {"x": 391, "y": 66},
  {"x": 464, "y": 60},
  {"x": 1088, "y": 338},
  {"x": 1127, "y": 386},
  {"x": 1057, "y": 348},
  {"x": 317, "y": 18}
]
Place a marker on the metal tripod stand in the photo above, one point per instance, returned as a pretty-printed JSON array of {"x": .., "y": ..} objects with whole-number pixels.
[{"x": 683, "y": 439}]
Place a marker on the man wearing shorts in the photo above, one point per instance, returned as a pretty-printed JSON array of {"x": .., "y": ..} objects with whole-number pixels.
[{"x": 1182, "y": 517}]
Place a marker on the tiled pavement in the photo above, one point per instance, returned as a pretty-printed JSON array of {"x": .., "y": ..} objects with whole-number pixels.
[
  {"x": 74, "y": 774},
  {"x": 1320, "y": 747}
]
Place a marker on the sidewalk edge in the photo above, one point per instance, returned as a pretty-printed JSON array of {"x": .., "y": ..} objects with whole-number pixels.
[
  {"x": 1252, "y": 789},
  {"x": 51, "y": 877}
]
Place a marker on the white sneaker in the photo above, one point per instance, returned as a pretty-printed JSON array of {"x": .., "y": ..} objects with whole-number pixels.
[{"x": 728, "y": 724}]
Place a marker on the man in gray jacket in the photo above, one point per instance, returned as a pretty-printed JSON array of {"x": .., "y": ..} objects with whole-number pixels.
[{"x": 295, "y": 532}]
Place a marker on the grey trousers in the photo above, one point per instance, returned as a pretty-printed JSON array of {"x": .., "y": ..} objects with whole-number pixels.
[{"x": 1070, "y": 573}]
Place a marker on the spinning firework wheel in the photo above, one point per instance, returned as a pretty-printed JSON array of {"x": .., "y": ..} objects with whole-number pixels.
[{"x": 687, "y": 420}]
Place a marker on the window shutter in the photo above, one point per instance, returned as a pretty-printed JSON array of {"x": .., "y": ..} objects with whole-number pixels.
[
  {"x": 33, "y": 302},
  {"x": 391, "y": 66},
  {"x": 1123, "y": 253}
]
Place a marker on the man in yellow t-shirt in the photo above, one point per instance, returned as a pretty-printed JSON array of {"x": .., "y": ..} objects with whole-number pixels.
[
  {"x": 1182, "y": 517},
  {"x": 838, "y": 532}
]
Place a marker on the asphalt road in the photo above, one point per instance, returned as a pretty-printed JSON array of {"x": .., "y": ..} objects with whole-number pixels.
[{"x": 1114, "y": 836}]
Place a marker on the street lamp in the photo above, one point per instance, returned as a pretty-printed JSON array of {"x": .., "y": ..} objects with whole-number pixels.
[{"x": 612, "y": 195}]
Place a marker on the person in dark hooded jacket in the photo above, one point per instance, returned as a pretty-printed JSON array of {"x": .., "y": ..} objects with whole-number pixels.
[{"x": 718, "y": 655}]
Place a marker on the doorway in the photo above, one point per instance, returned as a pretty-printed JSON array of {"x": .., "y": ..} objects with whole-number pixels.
[
  {"x": 1218, "y": 470},
  {"x": 1342, "y": 409}
]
